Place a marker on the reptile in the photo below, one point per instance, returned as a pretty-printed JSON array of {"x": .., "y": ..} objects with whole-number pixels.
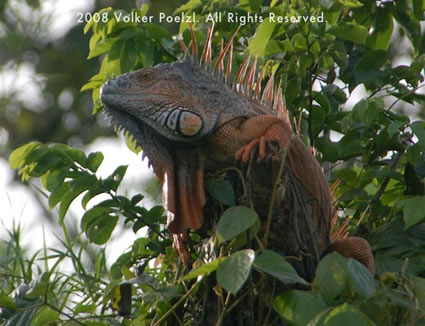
[{"x": 191, "y": 116}]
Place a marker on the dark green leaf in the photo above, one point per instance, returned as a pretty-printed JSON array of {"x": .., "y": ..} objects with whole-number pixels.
[
  {"x": 45, "y": 316},
  {"x": 382, "y": 30},
  {"x": 222, "y": 190},
  {"x": 234, "y": 271},
  {"x": 78, "y": 156},
  {"x": 298, "y": 307},
  {"x": 418, "y": 128},
  {"x": 413, "y": 210},
  {"x": 99, "y": 224},
  {"x": 57, "y": 195},
  {"x": 7, "y": 302},
  {"x": 275, "y": 265},
  {"x": 78, "y": 186},
  {"x": 94, "y": 160},
  {"x": 234, "y": 221},
  {"x": 91, "y": 216},
  {"x": 360, "y": 279}
]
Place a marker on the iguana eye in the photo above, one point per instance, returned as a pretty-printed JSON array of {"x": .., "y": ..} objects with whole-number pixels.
[{"x": 145, "y": 76}]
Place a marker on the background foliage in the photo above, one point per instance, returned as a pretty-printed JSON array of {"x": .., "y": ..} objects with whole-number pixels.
[{"x": 370, "y": 144}]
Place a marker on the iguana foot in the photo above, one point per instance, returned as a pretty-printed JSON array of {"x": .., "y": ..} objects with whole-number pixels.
[{"x": 258, "y": 149}]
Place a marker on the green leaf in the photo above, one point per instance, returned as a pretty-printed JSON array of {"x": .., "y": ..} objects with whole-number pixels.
[
  {"x": 418, "y": 128},
  {"x": 204, "y": 269},
  {"x": 255, "y": 4},
  {"x": 350, "y": 31},
  {"x": 360, "y": 278},
  {"x": 89, "y": 308},
  {"x": 18, "y": 156},
  {"x": 394, "y": 127},
  {"x": 258, "y": 43},
  {"x": 418, "y": 287},
  {"x": 45, "y": 316},
  {"x": 331, "y": 276},
  {"x": 298, "y": 307},
  {"x": 272, "y": 263},
  {"x": 234, "y": 271},
  {"x": 299, "y": 42},
  {"x": 114, "y": 180},
  {"x": 94, "y": 161},
  {"x": 98, "y": 224},
  {"x": 78, "y": 186},
  {"x": 77, "y": 156},
  {"x": 222, "y": 190},
  {"x": 234, "y": 221},
  {"x": 380, "y": 37},
  {"x": 7, "y": 302},
  {"x": 413, "y": 211},
  {"x": 57, "y": 195}
]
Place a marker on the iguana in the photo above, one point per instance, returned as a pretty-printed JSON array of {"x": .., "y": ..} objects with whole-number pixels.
[{"x": 188, "y": 117}]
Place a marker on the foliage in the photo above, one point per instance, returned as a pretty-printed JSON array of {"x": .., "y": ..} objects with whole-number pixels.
[{"x": 379, "y": 161}]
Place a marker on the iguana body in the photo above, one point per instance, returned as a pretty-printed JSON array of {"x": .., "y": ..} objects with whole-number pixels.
[{"x": 187, "y": 120}]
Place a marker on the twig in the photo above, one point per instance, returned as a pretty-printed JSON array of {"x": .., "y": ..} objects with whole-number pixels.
[
  {"x": 273, "y": 196},
  {"x": 225, "y": 310}
]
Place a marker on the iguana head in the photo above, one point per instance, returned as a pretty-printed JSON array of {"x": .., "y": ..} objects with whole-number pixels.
[
  {"x": 172, "y": 99},
  {"x": 171, "y": 110}
]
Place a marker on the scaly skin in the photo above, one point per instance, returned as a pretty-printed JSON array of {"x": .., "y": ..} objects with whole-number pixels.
[{"x": 182, "y": 117}]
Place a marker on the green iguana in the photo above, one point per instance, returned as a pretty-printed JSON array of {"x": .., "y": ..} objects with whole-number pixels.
[{"x": 188, "y": 118}]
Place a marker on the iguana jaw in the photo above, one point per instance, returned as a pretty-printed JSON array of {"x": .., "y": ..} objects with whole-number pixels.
[{"x": 179, "y": 167}]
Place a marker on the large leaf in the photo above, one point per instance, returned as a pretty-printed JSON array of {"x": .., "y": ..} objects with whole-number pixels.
[
  {"x": 298, "y": 307},
  {"x": 380, "y": 37},
  {"x": 272, "y": 263},
  {"x": 258, "y": 43},
  {"x": 234, "y": 271},
  {"x": 331, "y": 275},
  {"x": 361, "y": 280},
  {"x": 234, "y": 221},
  {"x": 413, "y": 210}
]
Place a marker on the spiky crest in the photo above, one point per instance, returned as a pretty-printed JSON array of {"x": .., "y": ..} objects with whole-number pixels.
[{"x": 244, "y": 81}]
